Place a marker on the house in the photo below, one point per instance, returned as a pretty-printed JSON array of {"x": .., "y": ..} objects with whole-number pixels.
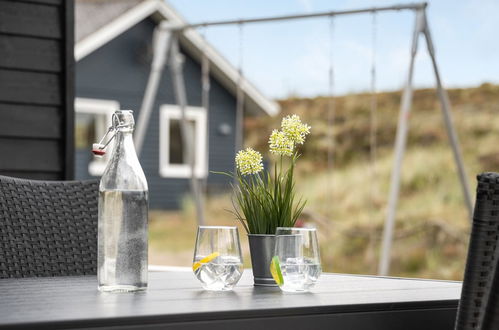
[{"x": 113, "y": 54}]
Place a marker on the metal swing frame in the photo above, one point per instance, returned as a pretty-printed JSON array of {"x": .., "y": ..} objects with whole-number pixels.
[
  {"x": 166, "y": 43},
  {"x": 166, "y": 47},
  {"x": 421, "y": 28}
]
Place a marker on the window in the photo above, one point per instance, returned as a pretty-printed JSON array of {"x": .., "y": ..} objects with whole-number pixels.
[
  {"x": 171, "y": 156},
  {"x": 92, "y": 119}
]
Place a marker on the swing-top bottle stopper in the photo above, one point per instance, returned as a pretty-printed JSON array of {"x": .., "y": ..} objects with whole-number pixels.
[
  {"x": 122, "y": 119},
  {"x": 98, "y": 149}
]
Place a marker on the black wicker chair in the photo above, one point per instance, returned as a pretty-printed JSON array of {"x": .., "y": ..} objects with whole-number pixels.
[
  {"x": 47, "y": 228},
  {"x": 479, "y": 304}
]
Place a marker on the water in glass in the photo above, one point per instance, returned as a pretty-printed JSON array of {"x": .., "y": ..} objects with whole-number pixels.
[
  {"x": 297, "y": 259},
  {"x": 220, "y": 274},
  {"x": 299, "y": 274},
  {"x": 218, "y": 262}
]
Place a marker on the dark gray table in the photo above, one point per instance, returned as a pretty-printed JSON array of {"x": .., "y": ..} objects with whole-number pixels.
[{"x": 175, "y": 300}]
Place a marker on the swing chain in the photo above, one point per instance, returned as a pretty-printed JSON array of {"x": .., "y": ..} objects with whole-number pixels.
[
  {"x": 240, "y": 49},
  {"x": 331, "y": 114},
  {"x": 239, "y": 92},
  {"x": 205, "y": 63},
  {"x": 374, "y": 104}
]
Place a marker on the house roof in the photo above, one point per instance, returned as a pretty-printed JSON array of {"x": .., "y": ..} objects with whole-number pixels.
[{"x": 100, "y": 21}]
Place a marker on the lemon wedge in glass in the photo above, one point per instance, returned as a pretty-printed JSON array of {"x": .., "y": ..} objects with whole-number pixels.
[
  {"x": 275, "y": 270},
  {"x": 205, "y": 260}
]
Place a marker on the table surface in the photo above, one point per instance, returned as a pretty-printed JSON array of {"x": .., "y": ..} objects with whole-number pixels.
[{"x": 176, "y": 297}]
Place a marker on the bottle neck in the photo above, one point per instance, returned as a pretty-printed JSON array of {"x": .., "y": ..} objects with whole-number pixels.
[
  {"x": 125, "y": 136},
  {"x": 124, "y": 143},
  {"x": 123, "y": 171}
]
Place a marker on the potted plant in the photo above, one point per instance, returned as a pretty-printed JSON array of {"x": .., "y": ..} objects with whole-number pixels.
[{"x": 265, "y": 200}]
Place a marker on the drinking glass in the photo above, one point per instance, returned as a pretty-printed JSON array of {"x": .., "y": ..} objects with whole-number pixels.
[
  {"x": 296, "y": 264},
  {"x": 218, "y": 262}
]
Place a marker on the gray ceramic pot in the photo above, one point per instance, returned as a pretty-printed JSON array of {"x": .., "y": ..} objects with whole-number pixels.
[{"x": 262, "y": 251}]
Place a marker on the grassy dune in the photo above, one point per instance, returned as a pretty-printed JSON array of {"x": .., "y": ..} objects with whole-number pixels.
[{"x": 347, "y": 202}]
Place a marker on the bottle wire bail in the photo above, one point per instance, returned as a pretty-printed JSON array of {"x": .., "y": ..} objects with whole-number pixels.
[{"x": 99, "y": 149}]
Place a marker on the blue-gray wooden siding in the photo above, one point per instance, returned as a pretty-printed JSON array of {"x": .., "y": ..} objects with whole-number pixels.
[
  {"x": 119, "y": 71},
  {"x": 36, "y": 89}
]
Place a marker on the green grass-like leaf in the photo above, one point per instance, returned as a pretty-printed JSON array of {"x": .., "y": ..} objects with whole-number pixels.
[{"x": 263, "y": 202}]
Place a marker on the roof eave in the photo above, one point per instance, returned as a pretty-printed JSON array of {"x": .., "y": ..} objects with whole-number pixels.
[{"x": 226, "y": 73}]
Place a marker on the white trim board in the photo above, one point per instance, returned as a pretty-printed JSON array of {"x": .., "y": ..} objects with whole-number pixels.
[
  {"x": 98, "y": 106},
  {"x": 191, "y": 40},
  {"x": 168, "y": 170}
]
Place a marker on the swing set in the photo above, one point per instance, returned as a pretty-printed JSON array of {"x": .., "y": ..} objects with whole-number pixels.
[{"x": 166, "y": 48}]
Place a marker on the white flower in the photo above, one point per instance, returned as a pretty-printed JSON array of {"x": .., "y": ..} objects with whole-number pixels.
[
  {"x": 280, "y": 144},
  {"x": 249, "y": 161},
  {"x": 294, "y": 129}
]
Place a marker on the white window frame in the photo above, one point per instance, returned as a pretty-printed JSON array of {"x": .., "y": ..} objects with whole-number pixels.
[
  {"x": 196, "y": 114},
  {"x": 99, "y": 107}
]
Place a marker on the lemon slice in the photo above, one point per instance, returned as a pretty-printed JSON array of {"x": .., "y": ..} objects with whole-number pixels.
[
  {"x": 275, "y": 270},
  {"x": 205, "y": 260}
]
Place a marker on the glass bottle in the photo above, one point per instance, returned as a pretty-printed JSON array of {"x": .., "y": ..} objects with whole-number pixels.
[{"x": 123, "y": 214}]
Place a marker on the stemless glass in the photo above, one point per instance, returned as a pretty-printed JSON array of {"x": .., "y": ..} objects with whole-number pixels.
[
  {"x": 296, "y": 263},
  {"x": 218, "y": 261}
]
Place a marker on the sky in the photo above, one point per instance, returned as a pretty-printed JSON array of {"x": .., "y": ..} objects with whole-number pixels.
[{"x": 293, "y": 58}]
